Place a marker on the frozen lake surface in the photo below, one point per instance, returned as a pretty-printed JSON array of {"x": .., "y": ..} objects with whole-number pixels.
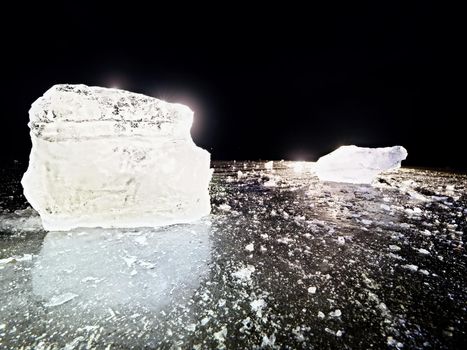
[{"x": 284, "y": 261}]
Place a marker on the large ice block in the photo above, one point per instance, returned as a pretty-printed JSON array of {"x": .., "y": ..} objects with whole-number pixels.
[
  {"x": 359, "y": 165},
  {"x": 111, "y": 158}
]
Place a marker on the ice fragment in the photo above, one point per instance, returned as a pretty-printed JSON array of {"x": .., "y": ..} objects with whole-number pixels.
[{"x": 359, "y": 165}]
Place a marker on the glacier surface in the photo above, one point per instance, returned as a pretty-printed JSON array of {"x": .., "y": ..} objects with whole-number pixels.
[
  {"x": 358, "y": 165},
  {"x": 111, "y": 158}
]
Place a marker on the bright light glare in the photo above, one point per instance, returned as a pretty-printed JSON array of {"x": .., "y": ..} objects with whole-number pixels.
[{"x": 302, "y": 166}]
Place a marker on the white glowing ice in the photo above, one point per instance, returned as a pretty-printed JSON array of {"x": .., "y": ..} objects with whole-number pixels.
[
  {"x": 358, "y": 165},
  {"x": 111, "y": 158}
]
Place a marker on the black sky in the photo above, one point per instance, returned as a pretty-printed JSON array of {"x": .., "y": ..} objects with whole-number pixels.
[{"x": 265, "y": 82}]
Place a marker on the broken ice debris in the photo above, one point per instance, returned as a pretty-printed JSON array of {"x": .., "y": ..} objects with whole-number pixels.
[
  {"x": 335, "y": 313},
  {"x": 244, "y": 274},
  {"x": 358, "y": 165},
  {"x": 413, "y": 268},
  {"x": 113, "y": 158},
  {"x": 250, "y": 247}
]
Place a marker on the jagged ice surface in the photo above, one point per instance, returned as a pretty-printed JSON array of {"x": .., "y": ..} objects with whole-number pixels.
[
  {"x": 359, "y": 165},
  {"x": 111, "y": 158}
]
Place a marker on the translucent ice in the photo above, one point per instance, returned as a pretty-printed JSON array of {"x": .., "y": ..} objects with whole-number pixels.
[
  {"x": 359, "y": 165},
  {"x": 124, "y": 270},
  {"x": 111, "y": 158}
]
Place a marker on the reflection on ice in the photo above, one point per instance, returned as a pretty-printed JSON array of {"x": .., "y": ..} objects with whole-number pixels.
[
  {"x": 294, "y": 262},
  {"x": 98, "y": 270}
]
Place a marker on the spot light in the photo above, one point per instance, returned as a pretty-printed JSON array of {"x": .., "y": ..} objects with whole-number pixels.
[
  {"x": 186, "y": 99},
  {"x": 115, "y": 82}
]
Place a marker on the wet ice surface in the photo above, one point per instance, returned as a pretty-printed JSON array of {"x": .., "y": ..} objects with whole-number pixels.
[{"x": 283, "y": 261}]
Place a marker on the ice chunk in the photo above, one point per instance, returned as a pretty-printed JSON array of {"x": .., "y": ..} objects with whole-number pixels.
[
  {"x": 74, "y": 343},
  {"x": 359, "y": 165},
  {"x": 111, "y": 158},
  {"x": 250, "y": 247},
  {"x": 257, "y": 306},
  {"x": 57, "y": 300},
  {"x": 394, "y": 248},
  {"x": 269, "y": 165},
  {"x": 220, "y": 337},
  {"x": 422, "y": 251},
  {"x": 225, "y": 207},
  {"x": 340, "y": 240},
  {"x": 413, "y": 268},
  {"x": 270, "y": 183},
  {"x": 335, "y": 313},
  {"x": 13, "y": 259},
  {"x": 244, "y": 274}
]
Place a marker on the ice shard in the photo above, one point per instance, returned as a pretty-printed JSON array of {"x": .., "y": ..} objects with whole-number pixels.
[
  {"x": 111, "y": 158},
  {"x": 358, "y": 165}
]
